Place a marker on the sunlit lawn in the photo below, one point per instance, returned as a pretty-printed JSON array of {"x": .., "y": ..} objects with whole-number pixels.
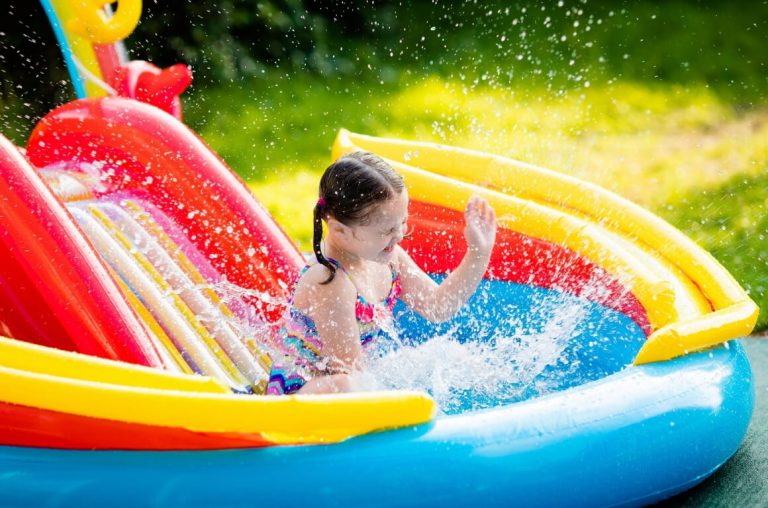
[{"x": 680, "y": 151}]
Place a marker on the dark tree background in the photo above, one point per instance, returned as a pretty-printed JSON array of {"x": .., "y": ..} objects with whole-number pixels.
[
  {"x": 222, "y": 41},
  {"x": 717, "y": 42}
]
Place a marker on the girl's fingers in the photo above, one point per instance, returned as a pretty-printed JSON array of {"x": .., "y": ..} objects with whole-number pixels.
[
  {"x": 471, "y": 209},
  {"x": 488, "y": 215},
  {"x": 484, "y": 210},
  {"x": 478, "y": 210}
]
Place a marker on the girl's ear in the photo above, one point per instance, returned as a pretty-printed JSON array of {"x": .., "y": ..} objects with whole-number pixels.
[{"x": 337, "y": 228}]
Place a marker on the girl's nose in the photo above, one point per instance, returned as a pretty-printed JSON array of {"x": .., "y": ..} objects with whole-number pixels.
[{"x": 399, "y": 234}]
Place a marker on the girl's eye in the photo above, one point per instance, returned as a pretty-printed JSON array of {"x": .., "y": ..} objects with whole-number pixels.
[{"x": 392, "y": 231}]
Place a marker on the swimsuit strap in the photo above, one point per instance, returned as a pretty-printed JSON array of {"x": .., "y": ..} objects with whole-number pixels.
[
  {"x": 295, "y": 283},
  {"x": 394, "y": 289},
  {"x": 338, "y": 265}
]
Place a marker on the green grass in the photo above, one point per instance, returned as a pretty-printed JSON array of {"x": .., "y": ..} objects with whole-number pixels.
[
  {"x": 684, "y": 152},
  {"x": 731, "y": 222}
]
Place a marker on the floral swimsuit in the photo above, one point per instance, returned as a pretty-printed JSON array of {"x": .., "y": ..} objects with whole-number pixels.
[{"x": 302, "y": 357}]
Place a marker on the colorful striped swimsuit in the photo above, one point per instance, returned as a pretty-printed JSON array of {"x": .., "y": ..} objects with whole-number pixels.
[{"x": 301, "y": 356}]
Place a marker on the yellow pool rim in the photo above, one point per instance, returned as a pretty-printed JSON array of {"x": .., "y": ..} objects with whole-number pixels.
[
  {"x": 72, "y": 383},
  {"x": 564, "y": 210}
]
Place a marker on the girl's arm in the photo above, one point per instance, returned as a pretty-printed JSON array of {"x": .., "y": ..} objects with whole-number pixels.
[
  {"x": 439, "y": 303},
  {"x": 332, "y": 307}
]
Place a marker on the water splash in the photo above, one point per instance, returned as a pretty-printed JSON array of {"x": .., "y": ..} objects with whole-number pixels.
[
  {"x": 512, "y": 365},
  {"x": 492, "y": 356}
]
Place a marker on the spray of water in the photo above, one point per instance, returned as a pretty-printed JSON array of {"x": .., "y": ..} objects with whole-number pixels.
[
  {"x": 510, "y": 360},
  {"x": 513, "y": 364}
]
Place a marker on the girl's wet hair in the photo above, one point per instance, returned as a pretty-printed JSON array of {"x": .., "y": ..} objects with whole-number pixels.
[{"x": 348, "y": 190}]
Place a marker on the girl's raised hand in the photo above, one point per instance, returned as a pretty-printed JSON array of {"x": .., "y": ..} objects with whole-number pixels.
[{"x": 480, "y": 229}]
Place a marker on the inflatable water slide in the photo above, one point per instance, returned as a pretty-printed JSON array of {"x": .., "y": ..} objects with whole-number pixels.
[{"x": 141, "y": 284}]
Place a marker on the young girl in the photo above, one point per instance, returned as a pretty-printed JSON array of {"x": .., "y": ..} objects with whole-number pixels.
[{"x": 344, "y": 302}]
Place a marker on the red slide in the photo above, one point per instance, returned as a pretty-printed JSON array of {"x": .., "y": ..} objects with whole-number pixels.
[{"x": 113, "y": 156}]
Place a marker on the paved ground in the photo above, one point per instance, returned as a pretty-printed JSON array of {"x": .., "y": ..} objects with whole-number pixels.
[{"x": 743, "y": 480}]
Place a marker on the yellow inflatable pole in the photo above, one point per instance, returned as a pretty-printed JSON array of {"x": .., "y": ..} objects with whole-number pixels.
[
  {"x": 93, "y": 23},
  {"x": 89, "y": 36}
]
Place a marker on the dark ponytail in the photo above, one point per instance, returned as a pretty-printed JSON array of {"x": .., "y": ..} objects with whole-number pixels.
[
  {"x": 317, "y": 237},
  {"x": 348, "y": 189}
]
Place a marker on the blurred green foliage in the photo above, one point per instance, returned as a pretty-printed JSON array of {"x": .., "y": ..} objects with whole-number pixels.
[
  {"x": 562, "y": 43},
  {"x": 718, "y": 43},
  {"x": 731, "y": 222}
]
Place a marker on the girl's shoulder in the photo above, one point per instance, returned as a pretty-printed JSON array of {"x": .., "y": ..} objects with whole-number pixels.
[{"x": 310, "y": 288}]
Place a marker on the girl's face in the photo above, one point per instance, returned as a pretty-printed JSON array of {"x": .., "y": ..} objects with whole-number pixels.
[{"x": 386, "y": 225}]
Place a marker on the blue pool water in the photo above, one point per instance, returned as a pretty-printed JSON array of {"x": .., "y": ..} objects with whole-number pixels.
[{"x": 510, "y": 343}]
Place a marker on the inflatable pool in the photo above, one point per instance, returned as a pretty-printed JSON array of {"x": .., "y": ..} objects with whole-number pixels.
[
  {"x": 119, "y": 198},
  {"x": 141, "y": 284}
]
